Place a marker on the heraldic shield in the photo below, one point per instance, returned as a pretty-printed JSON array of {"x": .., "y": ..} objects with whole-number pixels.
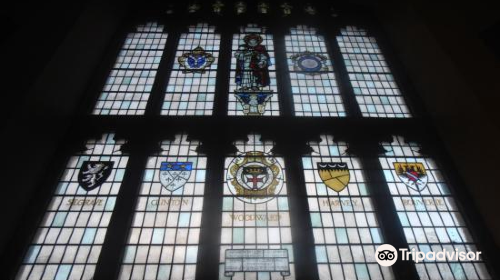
[
  {"x": 412, "y": 174},
  {"x": 255, "y": 177},
  {"x": 174, "y": 175},
  {"x": 93, "y": 173},
  {"x": 335, "y": 175}
]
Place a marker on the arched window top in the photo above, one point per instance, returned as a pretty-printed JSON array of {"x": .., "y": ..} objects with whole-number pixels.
[
  {"x": 106, "y": 145},
  {"x": 201, "y": 28},
  {"x": 181, "y": 146},
  {"x": 327, "y": 146},
  {"x": 400, "y": 148},
  {"x": 254, "y": 143}
]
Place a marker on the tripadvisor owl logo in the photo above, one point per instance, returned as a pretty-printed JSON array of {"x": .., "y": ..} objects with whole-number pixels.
[{"x": 387, "y": 255}]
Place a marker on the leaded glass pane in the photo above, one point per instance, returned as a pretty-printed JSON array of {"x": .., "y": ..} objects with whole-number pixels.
[
  {"x": 345, "y": 227},
  {"x": 253, "y": 90},
  {"x": 164, "y": 236},
  {"x": 191, "y": 87},
  {"x": 314, "y": 88},
  {"x": 129, "y": 84},
  {"x": 428, "y": 212},
  {"x": 376, "y": 92},
  {"x": 68, "y": 241},
  {"x": 256, "y": 241}
]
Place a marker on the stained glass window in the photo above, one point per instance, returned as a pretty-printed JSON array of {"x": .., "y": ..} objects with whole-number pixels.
[
  {"x": 191, "y": 87},
  {"x": 256, "y": 241},
  {"x": 376, "y": 91},
  {"x": 163, "y": 240},
  {"x": 345, "y": 227},
  {"x": 428, "y": 212},
  {"x": 129, "y": 84},
  {"x": 314, "y": 88},
  {"x": 253, "y": 90},
  {"x": 68, "y": 241}
]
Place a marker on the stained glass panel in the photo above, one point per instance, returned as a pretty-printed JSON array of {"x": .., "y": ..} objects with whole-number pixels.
[
  {"x": 376, "y": 92},
  {"x": 253, "y": 90},
  {"x": 345, "y": 227},
  {"x": 314, "y": 88},
  {"x": 163, "y": 240},
  {"x": 191, "y": 87},
  {"x": 256, "y": 241},
  {"x": 428, "y": 212},
  {"x": 129, "y": 84},
  {"x": 68, "y": 241}
]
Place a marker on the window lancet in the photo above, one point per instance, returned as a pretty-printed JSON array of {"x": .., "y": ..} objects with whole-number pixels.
[
  {"x": 428, "y": 212},
  {"x": 345, "y": 227},
  {"x": 70, "y": 237},
  {"x": 253, "y": 90},
  {"x": 191, "y": 86},
  {"x": 129, "y": 84},
  {"x": 164, "y": 236},
  {"x": 314, "y": 88},
  {"x": 376, "y": 92},
  {"x": 256, "y": 241}
]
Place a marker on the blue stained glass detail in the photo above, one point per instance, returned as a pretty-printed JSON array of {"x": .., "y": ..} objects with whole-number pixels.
[
  {"x": 454, "y": 235},
  {"x": 196, "y": 62},
  {"x": 164, "y": 272},
  {"x": 59, "y": 219},
  {"x": 458, "y": 271},
  {"x": 129, "y": 254},
  {"x": 148, "y": 175},
  {"x": 88, "y": 236},
  {"x": 63, "y": 272},
  {"x": 32, "y": 254},
  {"x": 388, "y": 175},
  {"x": 158, "y": 234},
  {"x": 261, "y": 97},
  {"x": 238, "y": 235},
  {"x": 403, "y": 219},
  {"x": 316, "y": 220},
  {"x": 263, "y": 276},
  {"x": 341, "y": 234},
  {"x": 119, "y": 174},
  {"x": 362, "y": 189},
  {"x": 362, "y": 271},
  {"x": 376, "y": 235},
  {"x": 282, "y": 203},
  {"x": 191, "y": 254},
  {"x": 306, "y": 163},
  {"x": 227, "y": 204},
  {"x": 176, "y": 166},
  {"x": 321, "y": 254},
  {"x": 184, "y": 219}
]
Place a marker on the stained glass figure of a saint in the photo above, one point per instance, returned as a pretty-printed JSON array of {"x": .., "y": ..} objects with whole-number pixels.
[{"x": 252, "y": 75}]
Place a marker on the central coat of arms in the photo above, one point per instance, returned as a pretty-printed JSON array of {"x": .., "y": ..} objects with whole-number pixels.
[{"x": 255, "y": 177}]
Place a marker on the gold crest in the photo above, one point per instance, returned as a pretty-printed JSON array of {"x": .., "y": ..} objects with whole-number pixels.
[
  {"x": 335, "y": 175},
  {"x": 255, "y": 177}
]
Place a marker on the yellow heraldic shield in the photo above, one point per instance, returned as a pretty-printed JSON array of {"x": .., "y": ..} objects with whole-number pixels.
[{"x": 335, "y": 175}]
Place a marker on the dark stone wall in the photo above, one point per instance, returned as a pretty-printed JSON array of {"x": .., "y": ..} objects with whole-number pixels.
[
  {"x": 49, "y": 59},
  {"x": 457, "y": 76}
]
